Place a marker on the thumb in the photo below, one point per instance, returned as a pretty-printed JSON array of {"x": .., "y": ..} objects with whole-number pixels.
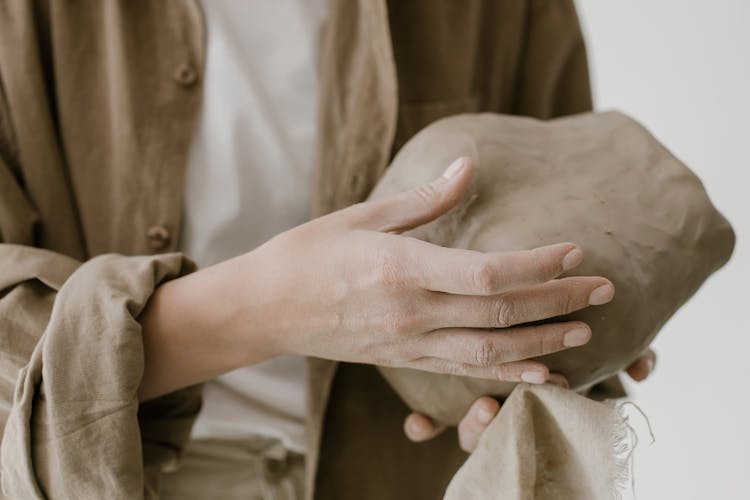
[{"x": 419, "y": 205}]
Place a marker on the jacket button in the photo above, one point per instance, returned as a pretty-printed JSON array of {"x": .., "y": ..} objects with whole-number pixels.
[
  {"x": 185, "y": 75},
  {"x": 158, "y": 237}
]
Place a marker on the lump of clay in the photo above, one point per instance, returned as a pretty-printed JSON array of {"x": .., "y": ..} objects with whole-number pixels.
[{"x": 600, "y": 180}]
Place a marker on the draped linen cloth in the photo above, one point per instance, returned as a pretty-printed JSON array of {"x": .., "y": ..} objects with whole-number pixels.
[{"x": 547, "y": 443}]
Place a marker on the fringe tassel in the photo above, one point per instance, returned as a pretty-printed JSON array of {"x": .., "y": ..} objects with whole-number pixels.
[{"x": 624, "y": 443}]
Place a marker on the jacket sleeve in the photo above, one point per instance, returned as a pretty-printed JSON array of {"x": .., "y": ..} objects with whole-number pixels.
[
  {"x": 554, "y": 74},
  {"x": 71, "y": 360},
  {"x": 70, "y": 366}
]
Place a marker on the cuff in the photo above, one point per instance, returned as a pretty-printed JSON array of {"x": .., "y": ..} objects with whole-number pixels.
[{"x": 75, "y": 428}]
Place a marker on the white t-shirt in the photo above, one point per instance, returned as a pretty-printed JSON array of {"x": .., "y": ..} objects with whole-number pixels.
[{"x": 249, "y": 177}]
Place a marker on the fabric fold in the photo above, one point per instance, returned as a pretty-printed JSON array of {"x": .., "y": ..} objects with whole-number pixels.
[
  {"x": 547, "y": 443},
  {"x": 75, "y": 411}
]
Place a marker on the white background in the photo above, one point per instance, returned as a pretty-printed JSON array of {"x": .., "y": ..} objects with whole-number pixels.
[{"x": 682, "y": 68}]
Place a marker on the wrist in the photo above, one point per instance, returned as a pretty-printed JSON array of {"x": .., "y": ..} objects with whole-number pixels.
[
  {"x": 199, "y": 326},
  {"x": 245, "y": 311}
]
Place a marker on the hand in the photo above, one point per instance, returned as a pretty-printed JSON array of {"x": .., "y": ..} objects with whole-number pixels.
[
  {"x": 419, "y": 427},
  {"x": 348, "y": 287},
  {"x": 640, "y": 369}
]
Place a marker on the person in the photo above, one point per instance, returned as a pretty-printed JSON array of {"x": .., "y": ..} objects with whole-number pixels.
[{"x": 129, "y": 132}]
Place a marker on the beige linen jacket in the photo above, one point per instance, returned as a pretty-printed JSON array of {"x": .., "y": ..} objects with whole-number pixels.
[{"x": 98, "y": 101}]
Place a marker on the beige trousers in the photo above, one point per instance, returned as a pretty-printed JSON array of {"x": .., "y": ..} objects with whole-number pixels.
[{"x": 257, "y": 468}]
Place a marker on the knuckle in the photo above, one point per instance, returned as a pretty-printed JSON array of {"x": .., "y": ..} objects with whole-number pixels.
[
  {"x": 537, "y": 341},
  {"x": 503, "y": 313},
  {"x": 389, "y": 271},
  {"x": 574, "y": 296},
  {"x": 485, "y": 353},
  {"x": 485, "y": 278},
  {"x": 566, "y": 302},
  {"x": 542, "y": 341},
  {"x": 504, "y": 372},
  {"x": 426, "y": 193}
]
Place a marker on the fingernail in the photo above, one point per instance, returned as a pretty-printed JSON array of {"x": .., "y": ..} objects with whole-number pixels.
[
  {"x": 454, "y": 168},
  {"x": 533, "y": 377},
  {"x": 650, "y": 365},
  {"x": 572, "y": 259},
  {"x": 602, "y": 295},
  {"x": 484, "y": 415},
  {"x": 576, "y": 337}
]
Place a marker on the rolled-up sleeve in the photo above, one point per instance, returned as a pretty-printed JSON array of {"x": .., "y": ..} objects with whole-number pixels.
[{"x": 71, "y": 362}]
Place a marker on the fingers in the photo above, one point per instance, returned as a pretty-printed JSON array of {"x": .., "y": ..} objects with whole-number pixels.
[
  {"x": 551, "y": 299},
  {"x": 488, "y": 348},
  {"x": 418, "y": 427},
  {"x": 475, "y": 422},
  {"x": 532, "y": 372},
  {"x": 559, "y": 380},
  {"x": 642, "y": 367},
  {"x": 469, "y": 272},
  {"x": 414, "y": 207}
]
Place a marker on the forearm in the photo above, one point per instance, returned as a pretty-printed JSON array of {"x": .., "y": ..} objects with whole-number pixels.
[{"x": 195, "y": 328}]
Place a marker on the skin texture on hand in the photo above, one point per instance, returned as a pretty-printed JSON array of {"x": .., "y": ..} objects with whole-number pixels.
[
  {"x": 348, "y": 287},
  {"x": 419, "y": 427}
]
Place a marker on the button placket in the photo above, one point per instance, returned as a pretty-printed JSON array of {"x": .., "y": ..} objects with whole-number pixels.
[{"x": 185, "y": 74}]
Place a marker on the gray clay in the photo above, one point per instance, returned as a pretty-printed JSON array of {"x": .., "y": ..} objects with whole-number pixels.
[{"x": 600, "y": 180}]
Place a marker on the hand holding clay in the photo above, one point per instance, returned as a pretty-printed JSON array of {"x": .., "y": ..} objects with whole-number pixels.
[
  {"x": 419, "y": 427},
  {"x": 347, "y": 287},
  {"x": 598, "y": 179}
]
